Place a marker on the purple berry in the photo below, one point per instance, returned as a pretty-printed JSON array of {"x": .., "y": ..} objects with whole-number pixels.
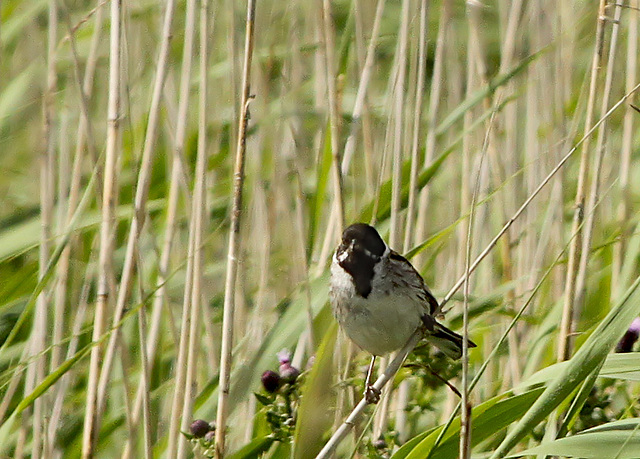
[
  {"x": 630, "y": 337},
  {"x": 380, "y": 443},
  {"x": 199, "y": 428},
  {"x": 210, "y": 436},
  {"x": 271, "y": 381}
]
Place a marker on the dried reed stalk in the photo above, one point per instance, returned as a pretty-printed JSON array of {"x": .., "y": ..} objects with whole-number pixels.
[
  {"x": 334, "y": 114},
  {"x": 234, "y": 236},
  {"x": 590, "y": 210},
  {"x": 196, "y": 250},
  {"x": 566, "y": 325},
  {"x": 181, "y": 127},
  {"x": 106, "y": 231},
  {"x": 394, "y": 138},
  {"x": 625, "y": 156},
  {"x": 139, "y": 211},
  {"x": 37, "y": 339}
]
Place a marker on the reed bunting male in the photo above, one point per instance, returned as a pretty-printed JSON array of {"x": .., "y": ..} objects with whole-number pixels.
[{"x": 379, "y": 299}]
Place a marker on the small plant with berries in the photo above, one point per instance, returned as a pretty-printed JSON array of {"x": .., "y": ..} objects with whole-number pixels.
[
  {"x": 281, "y": 397},
  {"x": 202, "y": 434}
]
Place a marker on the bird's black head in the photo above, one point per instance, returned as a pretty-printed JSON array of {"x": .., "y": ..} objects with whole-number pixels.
[{"x": 361, "y": 248}]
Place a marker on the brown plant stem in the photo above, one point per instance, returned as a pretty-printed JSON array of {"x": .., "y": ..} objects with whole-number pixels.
[{"x": 234, "y": 236}]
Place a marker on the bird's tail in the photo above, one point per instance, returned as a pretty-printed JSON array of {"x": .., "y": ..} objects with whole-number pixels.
[{"x": 446, "y": 340}]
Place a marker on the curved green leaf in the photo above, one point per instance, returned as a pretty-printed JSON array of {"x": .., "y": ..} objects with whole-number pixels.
[
  {"x": 616, "y": 366},
  {"x": 313, "y": 417},
  {"x": 616, "y": 440},
  {"x": 488, "y": 419},
  {"x": 586, "y": 360},
  {"x": 253, "y": 449}
]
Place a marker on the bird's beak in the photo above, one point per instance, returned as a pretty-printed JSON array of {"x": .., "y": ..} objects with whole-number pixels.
[{"x": 343, "y": 254}]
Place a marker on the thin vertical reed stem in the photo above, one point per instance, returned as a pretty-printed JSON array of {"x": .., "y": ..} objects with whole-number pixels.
[
  {"x": 300, "y": 230},
  {"x": 36, "y": 371},
  {"x": 83, "y": 137},
  {"x": 566, "y": 325},
  {"x": 234, "y": 236},
  {"x": 396, "y": 121},
  {"x": 181, "y": 128},
  {"x": 139, "y": 212},
  {"x": 465, "y": 417},
  {"x": 581, "y": 279},
  {"x": 356, "y": 114},
  {"x": 625, "y": 160},
  {"x": 185, "y": 79},
  {"x": 145, "y": 372},
  {"x": 177, "y": 404},
  {"x": 198, "y": 221},
  {"x": 404, "y": 388},
  {"x": 106, "y": 231},
  {"x": 363, "y": 86},
  {"x": 432, "y": 112},
  {"x": 62, "y": 386},
  {"x": 417, "y": 120},
  {"x": 334, "y": 120},
  {"x": 398, "y": 124}
]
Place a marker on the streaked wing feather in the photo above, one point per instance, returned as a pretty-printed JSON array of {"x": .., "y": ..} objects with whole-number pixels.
[{"x": 415, "y": 280}]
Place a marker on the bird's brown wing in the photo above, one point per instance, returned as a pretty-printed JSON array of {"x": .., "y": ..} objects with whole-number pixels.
[{"x": 414, "y": 280}]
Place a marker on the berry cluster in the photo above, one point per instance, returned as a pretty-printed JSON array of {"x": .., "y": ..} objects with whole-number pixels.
[
  {"x": 203, "y": 433},
  {"x": 282, "y": 397}
]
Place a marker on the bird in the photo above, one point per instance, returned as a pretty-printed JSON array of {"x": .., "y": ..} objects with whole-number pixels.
[{"x": 379, "y": 300}]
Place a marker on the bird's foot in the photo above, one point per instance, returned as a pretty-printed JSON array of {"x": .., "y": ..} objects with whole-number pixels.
[{"x": 372, "y": 395}]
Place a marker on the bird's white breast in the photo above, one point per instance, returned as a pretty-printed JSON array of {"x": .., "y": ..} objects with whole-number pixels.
[{"x": 380, "y": 323}]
